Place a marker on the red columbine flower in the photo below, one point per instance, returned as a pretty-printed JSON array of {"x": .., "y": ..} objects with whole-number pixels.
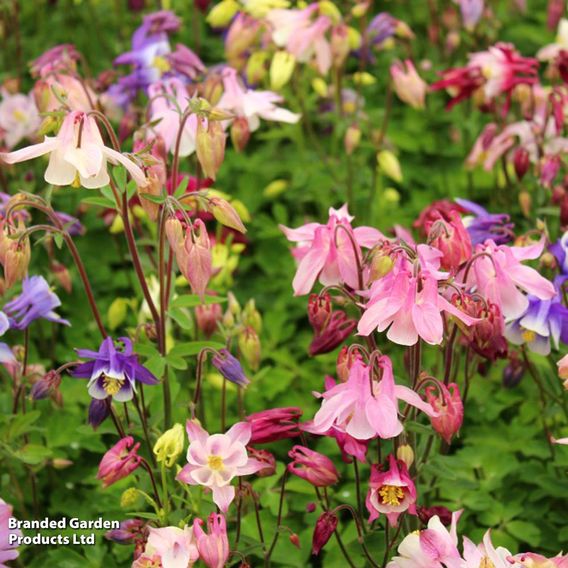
[
  {"x": 274, "y": 424},
  {"x": 312, "y": 466},
  {"x": 452, "y": 240},
  {"x": 390, "y": 492},
  {"x": 319, "y": 312},
  {"x": 325, "y": 527},
  {"x": 264, "y": 457},
  {"x": 336, "y": 332},
  {"x": 436, "y": 210},
  {"x": 449, "y": 406},
  {"x": 119, "y": 462}
]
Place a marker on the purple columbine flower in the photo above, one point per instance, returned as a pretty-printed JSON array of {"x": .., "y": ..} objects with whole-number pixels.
[
  {"x": 113, "y": 372},
  {"x": 560, "y": 251},
  {"x": 381, "y": 27},
  {"x": 484, "y": 225},
  {"x": 36, "y": 301},
  {"x": 543, "y": 321},
  {"x": 230, "y": 368},
  {"x": 74, "y": 227},
  {"x": 6, "y": 354}
]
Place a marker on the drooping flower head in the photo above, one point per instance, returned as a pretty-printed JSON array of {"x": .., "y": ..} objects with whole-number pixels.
[
  {"x": 213, "y": 546},
  {"x": 77, "y": 155},
  {"x": 274, "y": 424},
  {"x": 312, "y": 466},
  {"x": 482, "y": 225},
  {"x": 119, "y": 462},
  {"x": 215, "y": 460},
  {"x": 113, "y": 370},
  {"x": 449, "y": 406},
  {"x": 326, "y": 253},
  {"x": 58, "y": 59},
  {"x": 365, "y": 408},
  {"x": 391, "y": 492},
  {"x": 37, "y": 301}
]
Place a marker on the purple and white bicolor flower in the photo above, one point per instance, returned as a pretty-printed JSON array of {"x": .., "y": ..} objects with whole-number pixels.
[
  {"x": 483, "y": 225},
  {"x": 37, "y": 301},
  {"x": 544, "y": 322},
  {"x": 113, "y": 371},
  {"x": 560, "y": 250}
]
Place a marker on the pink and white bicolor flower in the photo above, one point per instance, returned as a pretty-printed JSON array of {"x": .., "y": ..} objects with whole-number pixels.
[
  {"x": 215, "y": 460},
  {"x": 77, "y": 155},
  {"x": 434, "y": 547},
  {"x": 250, "y": 104},
  {"x": 172, "y": 547},
  {"x": 499, "y": 276},
  {"x": 327, "y": 253},
  {"x": 408, "y": 302},
  {"x": 365, "y": 409}
]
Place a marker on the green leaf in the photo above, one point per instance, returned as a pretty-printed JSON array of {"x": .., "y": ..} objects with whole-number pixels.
[
  {"x": 33, "y": 454},
  {"x": 524, "y": 532},
  {"x": 192, "y": 300},
  {"x": 22, "y": 424}
]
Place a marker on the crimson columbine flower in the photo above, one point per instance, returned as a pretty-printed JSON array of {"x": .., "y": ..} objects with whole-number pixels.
[
  {"x": 325, "y": 527},
  {"x": 448, "y": 404},
  {"x": 312, "y": 466},
  {"x": 213, "y": 547},
  {"x": 113, "y": 372},
  {"x": 391, "y": 492},
  {"x": 452, "y": 240},
  {"x": 338, "y": 329},
  {"x": 119, "y": 462},
  {"x": 274, "y": 424},
  {"x": 36, "y": 301}
]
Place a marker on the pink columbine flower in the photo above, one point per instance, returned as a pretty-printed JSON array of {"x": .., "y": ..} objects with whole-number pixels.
[
  {"x": 312, "y": 466},
  {"x": 327, "y": 253},
  {"x": 408, "y": 85},
  {"x": 551, "y": 51},
  {"x": 499, "y": 276},
  {"x": 486, "y": 554},
  {"x": 19, "y": 118},
  {"x": 169, "y": 547},
  {"x": 7, "y": 551},
  {"x": 119, "y": 462},
  {"x": 302, "y": 35},
  {"x": 448, "y": 404},
  {"x": 408, "y": 303},
  {"x": 434, "y": 547},
  {"x": 77, "y": 155},
  {"x": 365, "y": 409},
  {"x": 563, "y": 370},
  {"x": 532, "y": 560},
  {"x": 213, "y": 547},
  {"x": 250, "y": 104},
  {"x": 215, "y": 460},
  {"x": 390, "y": 492},
  {"x": 169, "y": 100}
]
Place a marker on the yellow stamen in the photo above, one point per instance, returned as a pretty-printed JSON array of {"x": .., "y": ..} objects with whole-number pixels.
[
  {"x": 528, "y": 335},
  {"x": 19, "y": 115},
  {"x": 161, "y": 64},
  {"x": 111, "y": 385},
  {"x": 391, "y": 494},
  {"x": 77, "y": 181},
  {"x": 486, "y": 563},
  {"x": 215, "y": 463}
]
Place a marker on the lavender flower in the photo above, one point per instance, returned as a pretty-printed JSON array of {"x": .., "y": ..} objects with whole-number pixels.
[
  {"x": 36, "y": 301},
  {"x": 113, "y": 372},
  {"x": 560, "y": 251},
  {"x": 543, "y": 321},
  {"x": 484, "y": 225},
  {"x": 381, "y": 28},
  {"x": 230, "y": 368},
  {"x": 72, "y": 224}
]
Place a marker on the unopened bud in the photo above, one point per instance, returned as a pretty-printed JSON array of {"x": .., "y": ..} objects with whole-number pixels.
[
  {"x": 222, "y": 13},
  {"x": 169, "y": 445},
  {"x": 210, "y": 146},
  {"x": 62, "y": 274},
  {"x": 256, "y": 67},
  {"x": 381, "y": 265},
  {"x": 240, "y": 133},
  {"x": 129, "y": 498},
  {"x": 389, "y": 165},
  {"x": 525, "y": 202},
  {"x": 295, "y": 540},
  {"x": 521, "y": 162},
  {"x": 281, "y": 69},
  {"x": 352, "y": 139},
  {"x": 405, "y": 453},
  {"x": 226, "y": 214},
  {"x": 339, "y": 45},
  {"x": 152, "y": 188},
  {"x": 249, "y": 345},
  {"x": 61, "y": 463},
  {"x": 251, "y": 316}
]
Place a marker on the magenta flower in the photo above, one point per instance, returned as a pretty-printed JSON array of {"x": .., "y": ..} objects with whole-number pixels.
[
  {"x": 59, "y": 58},
  {"x": 7, "y": 551},
  {"x": 215, "y": 460},
  {"x": 312, "y": 466},
  {"x": 409, "y": 304},
  {"x": 213, "y": 547},
  {"x": 499, "y": 276},
  {"x": 325, "y": 527},
  {"x": 448, "y": 404},
  {"x": 274, "y": 424},
  {"x": 365, "y": 409},
  {"x": 119, "y": 462},
  {"x": 113, "y": 372},
  {"x": 390, "y": 492},
  {"x": 77, "y": 155},
  {"x": 327, "y": 253}
]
